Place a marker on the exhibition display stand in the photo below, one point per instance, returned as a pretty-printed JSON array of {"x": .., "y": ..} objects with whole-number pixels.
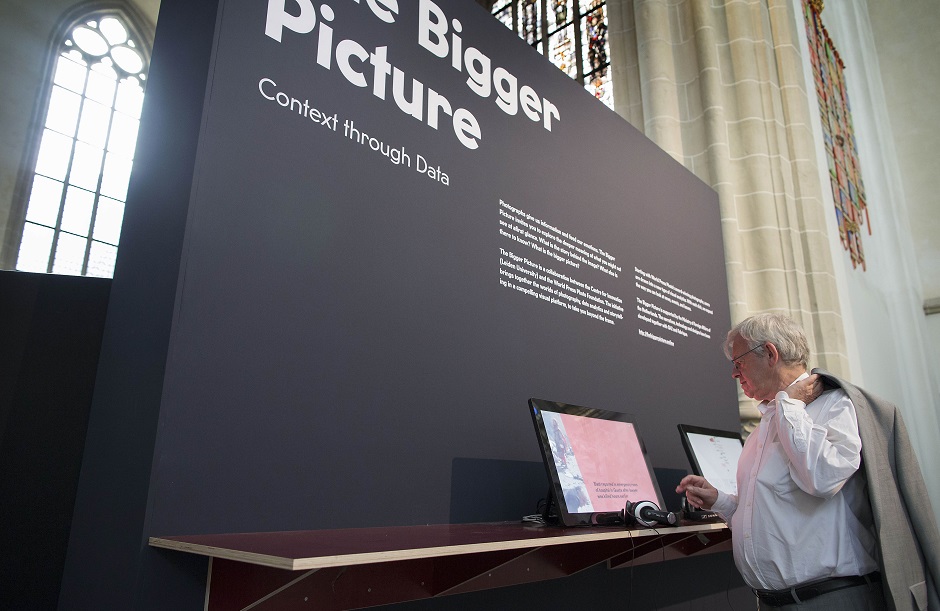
[{"x": 364, "y": 567}]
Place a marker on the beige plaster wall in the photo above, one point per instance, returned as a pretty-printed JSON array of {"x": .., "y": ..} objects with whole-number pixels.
[
  {"x": 906, "y": 39},
  {"x": 908, "y": 46}
]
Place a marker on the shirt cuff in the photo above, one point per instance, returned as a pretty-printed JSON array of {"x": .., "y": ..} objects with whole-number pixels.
[{"x": 725, "y": 505}]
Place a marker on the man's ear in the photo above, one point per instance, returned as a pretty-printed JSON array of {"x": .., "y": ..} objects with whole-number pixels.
[{"x": 771, "y": 352}]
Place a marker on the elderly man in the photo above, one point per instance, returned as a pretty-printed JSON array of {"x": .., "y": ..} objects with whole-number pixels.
[{"x": 828, "y": 487}]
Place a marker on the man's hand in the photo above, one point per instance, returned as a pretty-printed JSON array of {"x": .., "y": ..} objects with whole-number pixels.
[
  {"x": 806, "y": 390},
  {"x": 698, "y": 491}
]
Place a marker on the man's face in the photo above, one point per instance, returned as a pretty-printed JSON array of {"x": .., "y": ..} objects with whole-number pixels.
[{"x": 752, "y": 371}]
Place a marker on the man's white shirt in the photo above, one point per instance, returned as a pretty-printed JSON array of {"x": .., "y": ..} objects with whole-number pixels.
[{"x": 799, "y": 515}]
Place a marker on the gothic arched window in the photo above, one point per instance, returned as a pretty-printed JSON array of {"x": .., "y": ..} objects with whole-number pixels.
[
  {"x": 571, "y": 33},
  {"x": 78, "y": 185}
]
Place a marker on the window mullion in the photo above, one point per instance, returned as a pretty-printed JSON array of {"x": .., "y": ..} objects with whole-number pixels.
[
  {"x": 104, "y": 157},
  {"x": 578, "y": 41},
  {"x": 543, "y": 26},
  {"x": 57, "y": 230}
]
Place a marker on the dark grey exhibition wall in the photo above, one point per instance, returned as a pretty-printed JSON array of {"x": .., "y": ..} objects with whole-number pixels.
[
  {"x": 346, "y": 325},
  {"x": 107, "y": 546},
  {"x": 379, "y": 259}
]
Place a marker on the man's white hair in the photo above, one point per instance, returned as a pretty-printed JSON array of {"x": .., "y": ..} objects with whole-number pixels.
[{"x": 778, "y": 329}]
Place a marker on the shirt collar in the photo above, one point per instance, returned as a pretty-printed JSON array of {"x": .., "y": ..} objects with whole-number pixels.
[{"x": 766, "y": 406}]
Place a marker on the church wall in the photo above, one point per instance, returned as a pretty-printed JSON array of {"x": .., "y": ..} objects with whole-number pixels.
[{"x": 895, "y": 355}]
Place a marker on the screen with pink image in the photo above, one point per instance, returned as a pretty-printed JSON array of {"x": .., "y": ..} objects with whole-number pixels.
[
  {"x": 595, "y": 460},
  {"x": 611, "y": 461}
]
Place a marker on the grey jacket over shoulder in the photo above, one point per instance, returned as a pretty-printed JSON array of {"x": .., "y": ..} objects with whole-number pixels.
[{"x": 908, "y": 538}]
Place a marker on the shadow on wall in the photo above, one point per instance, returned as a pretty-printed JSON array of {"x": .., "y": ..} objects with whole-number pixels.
[{"x": 50, "y": 336}]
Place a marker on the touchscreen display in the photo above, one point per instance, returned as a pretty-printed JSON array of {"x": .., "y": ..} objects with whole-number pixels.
[
  {"x": 718, "y": 459},
  {"x": 595, "y": 459},
  {"x": 714, "y": 455}
]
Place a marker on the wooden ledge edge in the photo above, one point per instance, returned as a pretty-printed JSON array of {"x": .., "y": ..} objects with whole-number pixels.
[
  {"x": 275, "y": 562},
  {"x": 320, "y": 562}
]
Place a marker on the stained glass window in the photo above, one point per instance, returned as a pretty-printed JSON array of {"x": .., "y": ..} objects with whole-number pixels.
[
  {"x": 845, "y": 175},
  {"x": 86, "y": 149},
  {"x": 571, "y": 33}
]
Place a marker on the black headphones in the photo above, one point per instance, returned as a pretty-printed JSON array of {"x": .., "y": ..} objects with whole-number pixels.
[
  {"x": 647, "y": 513},
  {"x": 644, "y": 513}
]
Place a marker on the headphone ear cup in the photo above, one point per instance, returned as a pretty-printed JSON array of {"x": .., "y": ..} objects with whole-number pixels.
[{"x": 634, "y": 511}]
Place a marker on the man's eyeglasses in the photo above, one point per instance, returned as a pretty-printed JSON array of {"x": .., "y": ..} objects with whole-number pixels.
[{"x": 736, "y": 361}]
